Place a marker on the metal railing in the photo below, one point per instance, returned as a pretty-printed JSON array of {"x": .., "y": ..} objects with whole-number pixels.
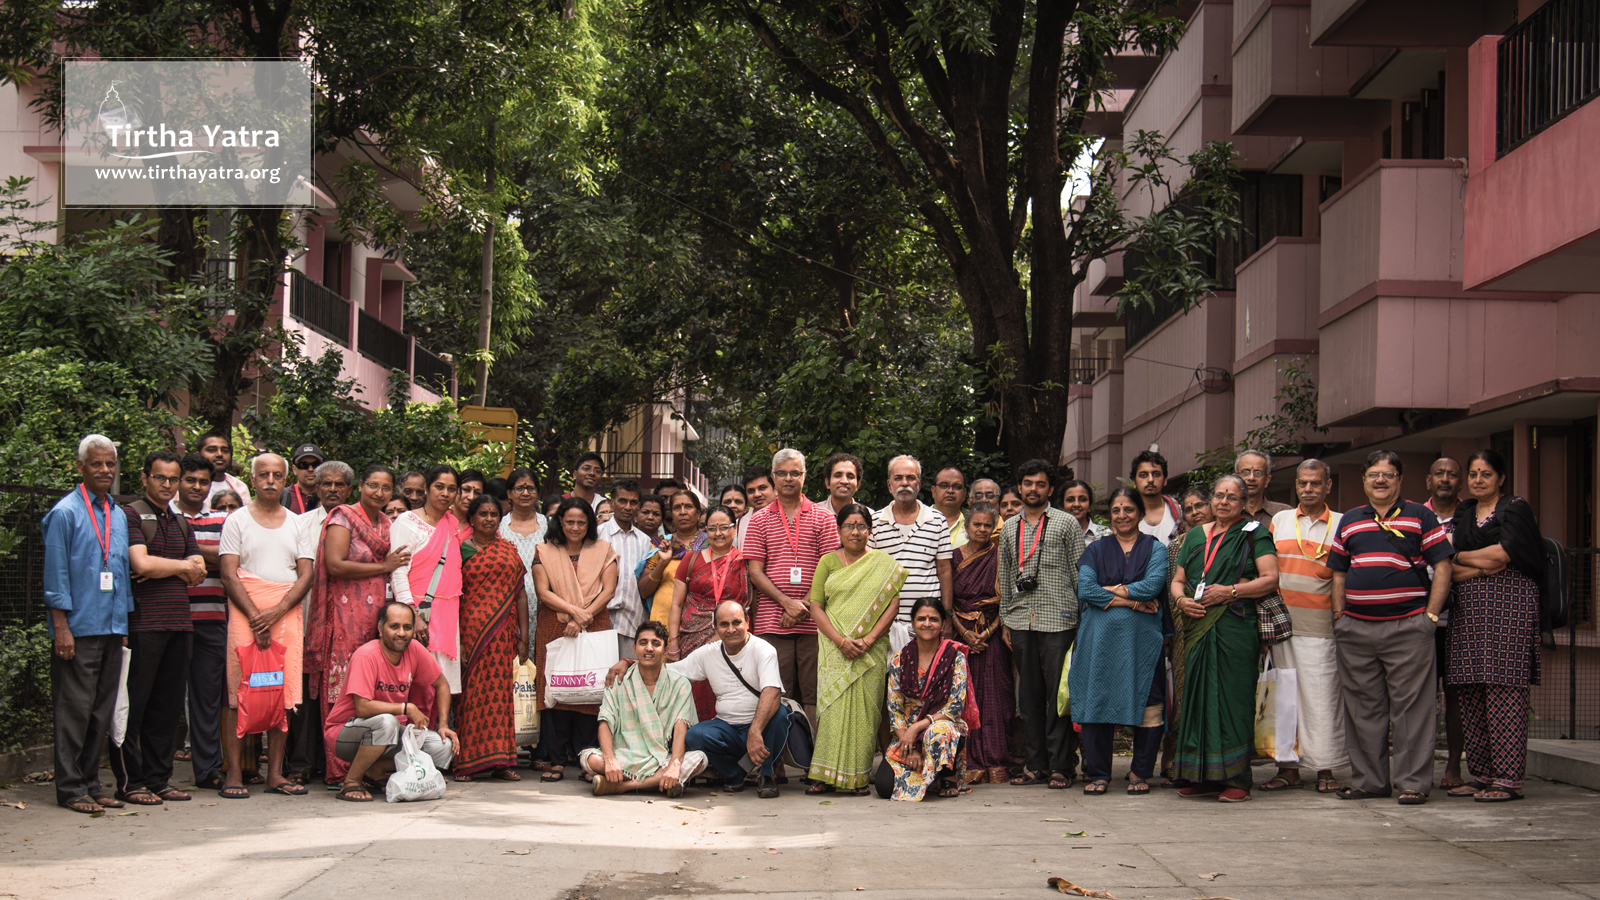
[
  {"x": 220, "y": 274},
  {"x": 1547, "y": 66},
  {"x": 431, "y": 372},
  {"x": 1566, "y": 704},
  {"x": 318, "y": 308},
  {"x": 381, "y": 343},
  {"x": 1085, "y": 369}
]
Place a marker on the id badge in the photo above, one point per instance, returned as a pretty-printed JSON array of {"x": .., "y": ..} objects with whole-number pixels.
[
  {"x": 106, "y": 584},
  {"x": 1200, "y": 590},
  {"x": 794, "y": 574}
]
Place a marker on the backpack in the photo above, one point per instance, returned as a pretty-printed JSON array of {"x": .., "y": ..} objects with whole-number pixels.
[
  {"x": 148, "y": 521},
  {"x": 1555, "y": 601}
]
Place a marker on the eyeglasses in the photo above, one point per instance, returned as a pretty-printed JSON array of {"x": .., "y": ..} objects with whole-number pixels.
[
  {"x": 799, "y": 474},
  {"x": 854, "y": 527},
  {"x": 947, "y": 486},
  {"x": 525, "y": 489},
  {"x": 984, "y": 495},
  {"x": 718, "y": 529},
  {"x": 1381, "y": 476},
  {"x": 162, "y": 480},
  {"x": 1225, "y": 498}
]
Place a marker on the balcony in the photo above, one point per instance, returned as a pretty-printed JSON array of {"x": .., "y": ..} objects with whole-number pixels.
[
  {"x": 1407, "y": 23},
  {"x": 382, "y": 344},
  {"x": 318, "y": 308},
  {"x": 1176, "y": 383},
  {"x": 1284, "y": 86},
  {"x": 1275, "y": 319},
  {"x": 431, "y": 371}
]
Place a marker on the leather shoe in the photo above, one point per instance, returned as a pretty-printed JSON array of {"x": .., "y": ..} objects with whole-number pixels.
[
  {"x": 767, "y": 787},
  {"x": 733, "y": 786}
]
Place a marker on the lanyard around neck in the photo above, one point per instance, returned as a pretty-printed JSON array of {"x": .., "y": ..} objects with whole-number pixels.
[
  {"x": 1321, "y": 549},
  {"x": 94, "y": 523}
]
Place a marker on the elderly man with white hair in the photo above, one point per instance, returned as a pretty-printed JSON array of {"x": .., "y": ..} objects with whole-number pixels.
[
  {"x": 89, "y": 594},
  {"x": 785, "y": 541},
  {"x": 917, "y": 536},
  {"x": 266, "y": 561},
  {"x": 1255, "y": 467},
  {"x": 334, "y": 479}
]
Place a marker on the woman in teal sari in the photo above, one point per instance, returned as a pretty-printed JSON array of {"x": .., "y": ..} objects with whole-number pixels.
[
  {"x": 1222, "y": 569},
  {"x": 854, "y": 597}
]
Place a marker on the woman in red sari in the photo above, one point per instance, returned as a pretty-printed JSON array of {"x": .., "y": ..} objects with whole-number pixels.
[
  {"x": 702, "y": 582},
  {"x": 494, "y": 635},
  {"x": 354, "y": 560},
  {"x": 977, "y": 624}
]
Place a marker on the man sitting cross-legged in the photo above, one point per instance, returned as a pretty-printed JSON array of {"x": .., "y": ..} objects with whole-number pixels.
[
  {"x": 393, "y": 682},
  {"x": 643, "y": 720}
]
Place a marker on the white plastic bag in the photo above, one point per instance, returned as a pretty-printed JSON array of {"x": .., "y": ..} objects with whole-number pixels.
[
  {"x": 525, "y": 702},
  {"x": 415, "y": 776},
  {"x": 1278, "y": 715},
  {"x": 119, "y": 713},
  {"x": 575, "y": 668}
]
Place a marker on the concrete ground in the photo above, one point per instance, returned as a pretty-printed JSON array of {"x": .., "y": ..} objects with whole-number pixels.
[{"x": 531, "y": 840}]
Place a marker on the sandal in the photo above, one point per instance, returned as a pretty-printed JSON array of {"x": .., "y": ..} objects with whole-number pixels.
[
  {"x": 172, "y": 794},
  {"x": 1027, "y": 778},
  {"x": 463, "y": 777},
  {"x": 948, "y": 787},
  {"x": 84, "y": 804},
  {"x": 182, "y": 756},
  {"x": 1451, "y": 783},
  {"x": 554, "y": 774},
  {"x": 820, "y": 788},
  {"x": 355, "y": 793},
  {"x": 1505, "y": 795},
  {"x": 1060, "y": 781},
  {"x": 1412, "y": 798},
  {"x": 107, "y": 801},
  {"x": 1350, "y": 793},
  {"x": 1096, "y": 786},
  {"x": 860, "y": 792},
  {"x": 1327, "y": 785},
  {"x": 214, "y": 783},
  {"x": 140, "y": 797},
  {"x": 234, "y": 792},
  {"x": 1279, "y": 783},
  {"x": 1139, "y": 788},
  {"x": 505, "y": 775},
  {"x": 288, "y": 789},
  {"x": 1467, "y": 789}
]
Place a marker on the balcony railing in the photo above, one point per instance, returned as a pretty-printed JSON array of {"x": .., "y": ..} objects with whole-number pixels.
[
  {"x": 318, "y": 308},
  {"x": 1085, "y": 369},
  {"x": 382, "y": 344},
  {"x": 1548, "y": 66},
  {"x": 429, "y": 371},
  {"x": 220, "y": 274}
]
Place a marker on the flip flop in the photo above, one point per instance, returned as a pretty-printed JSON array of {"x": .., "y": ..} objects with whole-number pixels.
[
  {"x": 1284, "y": 784},
  {"x": 506, "y": 775},
  {"x": 140, "y": 797},
  {"x": 1412, "y": 798},
  {"x": 84, "y": 804},
  {"x": 234, "y": 792},
  {"x": 1510, "y": 795},
  {"x": 1327, "y": 785},
  {"x": 1139, "y": 788},
  {"x": 553, "y": 775},
  {"x": 288, "y": 789},
  {"x": 172, "y": 795}
]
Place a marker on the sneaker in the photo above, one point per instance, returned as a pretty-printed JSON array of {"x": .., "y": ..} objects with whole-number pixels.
[{"x": 1234, "y": 795}]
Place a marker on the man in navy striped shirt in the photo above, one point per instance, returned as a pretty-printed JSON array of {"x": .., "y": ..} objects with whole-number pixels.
[{"x": 1385, "y": 609}]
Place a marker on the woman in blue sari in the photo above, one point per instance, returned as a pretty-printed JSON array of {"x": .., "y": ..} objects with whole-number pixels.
[{"x": 1116, "y": 676}]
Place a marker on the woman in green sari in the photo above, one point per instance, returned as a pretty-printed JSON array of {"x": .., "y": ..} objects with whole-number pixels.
[
  {"x": 854, "y": 597},
  {"x": 1222, "y": 568}
]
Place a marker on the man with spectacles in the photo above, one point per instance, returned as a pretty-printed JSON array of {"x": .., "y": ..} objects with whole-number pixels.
[
  {"x": 334, "y": 479},
  {"x": 631, "y": 545},
  {"x": 302, "y": 498},
  {"x": 949, "y": 496},
  {"x": 1385, "y": 609},
  {"x": 1255, "y": 467},
  {"x": 165, "y": 561},
  {"x": 985, "y": 490},
  {"x": 782, "y": 547},
  {"x": 587, "y": 470},
  {"x": 918, "y": 538}
]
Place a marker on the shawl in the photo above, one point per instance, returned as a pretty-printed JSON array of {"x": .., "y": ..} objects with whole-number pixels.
[
  {"x": 319, "y": 617},
  {"x": 578, "y": 585},
  {"x": 445, "y": 612},
  {"x": 934, "y": 688},
  {"x": 1112, "y": 568},
  {"x": 1511, "y": 525}
]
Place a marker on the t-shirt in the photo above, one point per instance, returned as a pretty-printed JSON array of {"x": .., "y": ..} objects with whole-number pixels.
[
  {"x": 207, "y": 601},
  {"x": 758, "y": 661},
  {"x": 789, "y": 546},
  {"x": 1304, "y": 579},
  {"x": 917, "y": 546},
  {"x": 372, "y": 676},
  {"x": 267, "y": 553},
  {"x": 1382, "y": 582},
  {"x": 160, "y": 604},
  {"x": 229, "y": 483}
]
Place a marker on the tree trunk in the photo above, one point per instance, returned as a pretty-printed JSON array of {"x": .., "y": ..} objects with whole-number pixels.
[
  {"x": 480, "y": 393},
  {"x": 260, "y": 251}
]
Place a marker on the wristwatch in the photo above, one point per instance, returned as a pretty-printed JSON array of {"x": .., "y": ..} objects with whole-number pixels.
[{"x": 1431, "y": 616}]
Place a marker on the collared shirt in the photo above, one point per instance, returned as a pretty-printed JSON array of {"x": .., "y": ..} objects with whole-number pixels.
[
  {"x": 161, "y": 604},
  {"x": 916, "y": 546},
  {"x": 1269, "y": 508},
  {"x": 207, "y": 601},
  {"x": 633, "y": 545},
  {"x": 790, "y": 566},
  {"x": 1304, "y": 579},
  {"x": 1053, "y": 605},
  {"x": 1382, "y": 582},
  {"x": 74, "y": 559},
  {"x": 312, "y": 523},
  {"x": 958, "y": 530}
]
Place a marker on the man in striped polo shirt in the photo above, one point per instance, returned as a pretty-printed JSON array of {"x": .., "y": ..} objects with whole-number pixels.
[
  {"x": 208, "y": 608},
  {"x": 917, "y": 536},
  {"x": 1384, "y": 614},
  {"x": 1303, "y": 537}
]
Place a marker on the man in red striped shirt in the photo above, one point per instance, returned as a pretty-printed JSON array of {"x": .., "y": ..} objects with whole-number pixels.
[
  {"x": 208, "y": 608},
  {"x": 1385, "y": 609},
  {"x": 785, "y": 541}
]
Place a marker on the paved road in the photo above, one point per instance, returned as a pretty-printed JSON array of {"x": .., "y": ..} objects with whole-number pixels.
[{"x": 531, "y": 841}]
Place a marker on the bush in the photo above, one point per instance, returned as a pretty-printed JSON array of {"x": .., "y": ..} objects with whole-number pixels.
[{"x": 25, "y": 719}]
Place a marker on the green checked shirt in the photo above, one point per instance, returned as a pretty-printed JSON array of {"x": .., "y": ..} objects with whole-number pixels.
[{"x": 1053, "y": 605}]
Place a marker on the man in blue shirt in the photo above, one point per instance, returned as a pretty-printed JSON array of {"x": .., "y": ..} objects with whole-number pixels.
[{"x": 88, "y": 592}]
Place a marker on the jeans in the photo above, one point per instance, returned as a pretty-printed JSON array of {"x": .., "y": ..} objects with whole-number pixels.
[
  {"x": 724, "y": 743},
  {"x": 208, "y": 666}
]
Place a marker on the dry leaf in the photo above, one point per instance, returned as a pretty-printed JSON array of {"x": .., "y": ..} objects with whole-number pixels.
[
  {"x": 1067, "y": 887},
  {"x": 20, "y": 804},
  {"x": 517, "y": 852},
  {"x": 1126, "y": 866},
  {"x": 1212, "y": 876},
  {"x": 772, "y": 849},
  {"x": 1076, "y": 834},
  {"x": 1055, "y": 820},
  {"x": 689, "y": 808}
]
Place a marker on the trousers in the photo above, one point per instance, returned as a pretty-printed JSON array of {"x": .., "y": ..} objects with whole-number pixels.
[
  {"x": 724, "y": 743},
  {"x": 1052, "y": 745},
  {"x": 208, "y": 666},
  {"x": 1387, "y": 678},
  {"x": 84, "y": 692},
  {"x": 156, "y": 676},
  {"x": 384, "y": 731}
]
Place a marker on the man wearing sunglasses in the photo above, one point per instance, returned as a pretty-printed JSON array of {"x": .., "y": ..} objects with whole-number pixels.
[{"x": 302, "y": 497}]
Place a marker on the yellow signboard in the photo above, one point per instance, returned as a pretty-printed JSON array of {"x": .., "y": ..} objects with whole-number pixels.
[{"x": 495, "y": 424}]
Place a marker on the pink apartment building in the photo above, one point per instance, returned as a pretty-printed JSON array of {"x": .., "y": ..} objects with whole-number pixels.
[
  {"x": 341, "y": 293},
  {"x": 1421, "y": 232}
]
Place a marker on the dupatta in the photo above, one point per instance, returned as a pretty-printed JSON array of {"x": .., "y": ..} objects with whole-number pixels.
[{"x": 442, "y": 554}]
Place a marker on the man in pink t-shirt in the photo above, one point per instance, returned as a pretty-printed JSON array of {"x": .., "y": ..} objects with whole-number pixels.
[
  {"x": 785, "y": 541},
  {"x": 393, "y": 682}
]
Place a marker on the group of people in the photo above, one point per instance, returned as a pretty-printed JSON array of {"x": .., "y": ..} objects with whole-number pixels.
[{"x": 915, "y": 632}]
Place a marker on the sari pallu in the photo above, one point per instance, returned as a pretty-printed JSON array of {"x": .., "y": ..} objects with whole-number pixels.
[
  {"x": 661, "y": 600},
  {"x": 1216, "y": 733},
  {"x": 578, "y": 584},
  {"x": 697, "y": 623},
  {"x": 341, "y": 614},
  {"x": 491, "y": 581},
  {"x": 851, "y": 691},
  {"x": 977, "y": 607}
]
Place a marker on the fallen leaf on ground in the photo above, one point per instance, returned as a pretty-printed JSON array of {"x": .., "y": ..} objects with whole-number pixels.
[
  {"x": 1055, "y": 820},
  {"x": 1067, "y": 887},
  {"x": 208, "y": 804},
  {"x": 36, "y": 777},
  {"x": 517, "y": 852},
  {"x": 128, "y": 813},
  {"x": 20, "y": 804},
  {"x": 1126, "y": 866},
  {"x": 1212, "y": 876},
  {"x": 689, "y": 808},
  {"x": 825, "y": 803},
  {"x": 1076, "y": 834}
]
